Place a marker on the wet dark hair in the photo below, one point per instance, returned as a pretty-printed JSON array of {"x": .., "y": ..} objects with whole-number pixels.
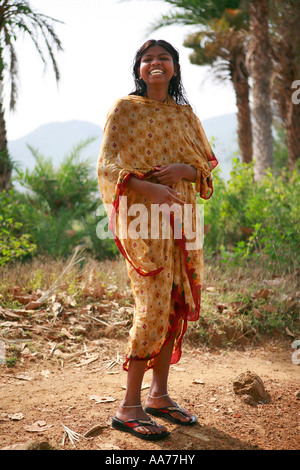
[{"x": 176, "y": 89}]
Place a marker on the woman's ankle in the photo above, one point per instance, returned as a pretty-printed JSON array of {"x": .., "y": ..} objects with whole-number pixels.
[
  {"x": 157, "y": 395},
  {"x": 158, "y": 390}
]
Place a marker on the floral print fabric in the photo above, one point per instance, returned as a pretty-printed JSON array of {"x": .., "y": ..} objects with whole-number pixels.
[{"x": 165, "y": 268}]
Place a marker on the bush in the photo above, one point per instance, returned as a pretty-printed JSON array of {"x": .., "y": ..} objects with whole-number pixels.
[
  {"x": 59, "y": 206},
  {"x": 14, "y": 243},
  {"x": 255, "y": 220}
]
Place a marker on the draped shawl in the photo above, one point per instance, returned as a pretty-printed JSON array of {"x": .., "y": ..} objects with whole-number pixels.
[{"x": 140, "y": 136}]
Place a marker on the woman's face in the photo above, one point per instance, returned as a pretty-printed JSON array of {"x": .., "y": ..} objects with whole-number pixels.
[{"x": 157, "y": 67}]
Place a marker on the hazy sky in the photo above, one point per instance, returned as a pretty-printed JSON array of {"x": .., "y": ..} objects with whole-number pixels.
[{"x": 100, "y": 39}]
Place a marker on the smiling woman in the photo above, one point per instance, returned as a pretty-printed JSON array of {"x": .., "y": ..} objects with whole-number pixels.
[
  {"x": 153, "y": 148},
  {"x": 158, "y": 55},
  {"x": 157, "y": 70}
]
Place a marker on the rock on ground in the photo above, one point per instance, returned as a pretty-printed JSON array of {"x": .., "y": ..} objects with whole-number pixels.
[{"x": 251, "y": 386}]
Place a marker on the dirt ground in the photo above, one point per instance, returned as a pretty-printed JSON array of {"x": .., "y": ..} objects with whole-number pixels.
[{"x": 39, "y": 397}]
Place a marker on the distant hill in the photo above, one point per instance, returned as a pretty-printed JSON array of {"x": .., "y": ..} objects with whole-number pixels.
[
  {"x": 56, "y": 139},
  {"x": 222, "y": 132}
]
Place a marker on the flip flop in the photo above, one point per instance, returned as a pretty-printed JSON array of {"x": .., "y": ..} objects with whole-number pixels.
[
  {"x": 166, "y": 413},
  {"x": 128, "y": 426}
]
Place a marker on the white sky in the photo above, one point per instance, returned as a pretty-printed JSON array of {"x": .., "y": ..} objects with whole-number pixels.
[{"x": 100, "y": 39}]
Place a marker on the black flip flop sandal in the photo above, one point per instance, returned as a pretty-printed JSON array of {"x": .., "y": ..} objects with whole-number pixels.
[
  {"x": 128, "y": 426},
  {"x": 165, "y": 413}
]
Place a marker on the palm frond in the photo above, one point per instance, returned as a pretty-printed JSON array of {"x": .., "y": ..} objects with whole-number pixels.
[
  {"x": 175, "y": 18},
  {"x": 76, "y": 150},
  {"x": 16, "y": 17}
]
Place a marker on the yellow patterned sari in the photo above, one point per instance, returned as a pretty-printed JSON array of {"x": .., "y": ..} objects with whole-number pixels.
[{"x": 165, "y": 268}]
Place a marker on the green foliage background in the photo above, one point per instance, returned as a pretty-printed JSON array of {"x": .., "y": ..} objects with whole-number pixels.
[
  {"x": 247, "y": 221},
  {"x": 56, "y": 213},
  {"x": 251, "y": 220}
]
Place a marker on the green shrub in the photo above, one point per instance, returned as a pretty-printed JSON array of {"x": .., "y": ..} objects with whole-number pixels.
[
  {"x": 255, "y": 220},
  {"x": 59, "y": 206},
  {"x": 14, "y": 243}
]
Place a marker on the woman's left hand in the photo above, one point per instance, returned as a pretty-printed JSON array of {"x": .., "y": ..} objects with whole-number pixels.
[{"x": 170, "y": 174}]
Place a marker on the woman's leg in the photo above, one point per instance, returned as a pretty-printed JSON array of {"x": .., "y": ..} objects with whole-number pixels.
[
  {"x": 159, "y": 384},
  {"x": 129, "y": 408}
]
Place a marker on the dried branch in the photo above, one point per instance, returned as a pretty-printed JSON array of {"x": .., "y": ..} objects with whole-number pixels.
[
  {"x": 72, "y": 435},
  {"x": 74, "y": 260}
]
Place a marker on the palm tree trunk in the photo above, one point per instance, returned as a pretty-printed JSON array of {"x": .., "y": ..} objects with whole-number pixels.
[
  {"x": 5, "y": 162},
  {"x": 244, "y": 121},
  {"x": 286, "y": 17},
  {"x": 261, "y": 69},
  {"x": 293, "y": 133},
  {"x": 240, "y": 82}
]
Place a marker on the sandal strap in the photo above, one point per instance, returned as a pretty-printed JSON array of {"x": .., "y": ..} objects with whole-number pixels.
[
  {"x": 176, "y": 408},
  {"x": 173, "y": 409},
  {"x": 134, "y": 423}
]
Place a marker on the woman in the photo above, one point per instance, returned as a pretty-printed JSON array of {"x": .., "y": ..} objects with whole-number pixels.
[{"x": 153, "y": 149}]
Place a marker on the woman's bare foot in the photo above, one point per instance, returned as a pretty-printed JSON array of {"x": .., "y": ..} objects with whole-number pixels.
[
  {"x": 164, "y": 401},
  {"x": 127, "y": 413}
]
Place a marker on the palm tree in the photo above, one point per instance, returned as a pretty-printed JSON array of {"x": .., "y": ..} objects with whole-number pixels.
[
  {"x": 222, "y": 41},
  {"x": 285, "y": 35},
  {"x": 224, "y": 48},
  {"x": 200, "y": 12},
  {"x": 261, "y": 70},
  {"x": 16, "y": 16},
  {"x": 281, "y": 50}
]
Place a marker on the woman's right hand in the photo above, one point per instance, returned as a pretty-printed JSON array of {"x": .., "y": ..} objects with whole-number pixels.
[
  {"x": 157, "y": 193},
  {"x": 161, "y": 194}
]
